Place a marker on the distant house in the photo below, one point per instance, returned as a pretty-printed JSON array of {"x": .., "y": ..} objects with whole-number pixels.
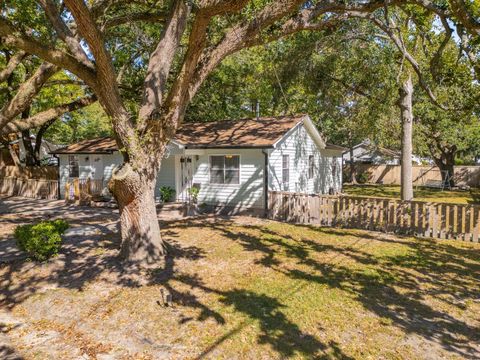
[
  {"x": 368, "y": 153},
  {"x": 233, "y": 163},
  {"x": 16, "y": 144}
]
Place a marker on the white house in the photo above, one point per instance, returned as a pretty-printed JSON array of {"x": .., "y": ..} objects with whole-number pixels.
[
  {"x": 226, "y": 160},
  {"x": 368, "y": 153}
]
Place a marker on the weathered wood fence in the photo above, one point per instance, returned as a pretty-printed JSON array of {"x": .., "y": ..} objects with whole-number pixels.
[
  {"x": 31, "y": 188},
  {"x": 424, "y": 219},
  {"x": 83, "y": 190}
]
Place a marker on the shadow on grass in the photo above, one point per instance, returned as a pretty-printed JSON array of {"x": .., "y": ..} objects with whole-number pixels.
[
  {"x": 393, "y": 290},
  {"x": 396, "y": 288}
]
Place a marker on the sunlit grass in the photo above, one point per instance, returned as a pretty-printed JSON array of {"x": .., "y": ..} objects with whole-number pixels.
[{"x": 421, "y": 194}]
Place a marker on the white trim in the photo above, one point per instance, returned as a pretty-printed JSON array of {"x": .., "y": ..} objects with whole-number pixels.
[
  {"x": 239, "y": 170},
  {"x": 314, "y": 133},
  {"x": 287, "y": 133}
]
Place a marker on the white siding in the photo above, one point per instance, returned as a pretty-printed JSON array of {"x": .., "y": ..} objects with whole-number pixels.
[
  {"x": 166, "y": 175},
  {"x": 86, "y": 169},
  {"x": 299, "y": 145},
  {"x": 247, "y": 194}
]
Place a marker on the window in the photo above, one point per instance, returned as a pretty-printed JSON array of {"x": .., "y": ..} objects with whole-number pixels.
[
  {"x": 73, "y": 166},
  {"x": 285, "y": 171},
  {"x": 334, "y": 168},
  {"x": 225, "y": 169},
  {"x": 311, "y": 166}
]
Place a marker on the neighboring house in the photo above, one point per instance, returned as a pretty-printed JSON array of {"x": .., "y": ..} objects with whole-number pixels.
[
  {"x": 368, "y": 153},
  {"x": 16, "y": 145},
  {"x": 226, "y": 160}
]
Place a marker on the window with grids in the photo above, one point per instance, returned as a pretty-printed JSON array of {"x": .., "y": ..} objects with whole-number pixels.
[
  {"x": 285, "y": 171},
  {"x": 311, "y": 167},
  {"x": 225, "y": 169},
  {"x": 73, "y": 166}
]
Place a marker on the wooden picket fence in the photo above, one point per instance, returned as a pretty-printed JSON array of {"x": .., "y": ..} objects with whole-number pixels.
[
  {"x": 419, "y": 218},
  {"x": 82, "y": 190},
  {"x": 30, "y": 188}
]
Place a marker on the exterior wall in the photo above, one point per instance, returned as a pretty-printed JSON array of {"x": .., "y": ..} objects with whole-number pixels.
[
  {"x": 87, "y": 167},
  {"x": 166, "y": 175},
  {"x": 299, "y": 146},
  {"x": 246, "y": 195}
]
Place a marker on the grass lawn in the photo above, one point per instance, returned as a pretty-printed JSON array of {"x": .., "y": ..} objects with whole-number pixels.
[
  {"x": 251, "y": 289},
  {"x": 422, "y": 194}
]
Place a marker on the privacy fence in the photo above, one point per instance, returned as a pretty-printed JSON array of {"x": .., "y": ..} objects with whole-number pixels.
[
  {"x": 31, "y": 188},
  {"x": 423, "y": 219},
  {"x": 391, "y": 174}
]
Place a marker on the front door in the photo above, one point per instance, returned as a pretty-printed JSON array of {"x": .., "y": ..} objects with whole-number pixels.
[
  {"x": 186, "y": 178},
  {"x": 96, "y": 167}
]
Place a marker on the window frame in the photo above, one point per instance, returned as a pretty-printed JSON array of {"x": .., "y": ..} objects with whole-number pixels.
[
  {"x": 311, "y": 166},
  {"x": 70, "y": 166},
  {"x": 285, "y": 170},
  {"x": 224, "y": 169}
]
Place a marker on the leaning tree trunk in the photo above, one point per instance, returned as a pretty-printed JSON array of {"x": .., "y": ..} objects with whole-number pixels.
[
  {"x": 446, "y": 164},
  {"x": 134, "y": 192},
  {"x": 406, "y": 112}
]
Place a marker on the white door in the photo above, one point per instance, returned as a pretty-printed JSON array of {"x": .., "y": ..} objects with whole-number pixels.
[
  {"x": 185, "y": 179},
  {"x": 96, "y": 167}
]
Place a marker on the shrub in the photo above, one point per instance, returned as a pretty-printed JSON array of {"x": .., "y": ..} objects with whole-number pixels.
[
  {"x": 363, "y": 178},
  {"x": 166, "y": 193},
  {"x": 194, "y": 191},
  {"x": 41, "y": 241}
]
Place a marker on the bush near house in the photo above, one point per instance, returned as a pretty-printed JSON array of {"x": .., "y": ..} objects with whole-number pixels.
[
  {"x": 41, "y": 241},
  {"x": 166, "y": 193}
]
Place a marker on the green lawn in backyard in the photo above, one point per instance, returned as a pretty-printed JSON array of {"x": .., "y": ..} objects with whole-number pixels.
[
  {"x": 254, "y": 289},
  {"x": 423, "y": 194}
]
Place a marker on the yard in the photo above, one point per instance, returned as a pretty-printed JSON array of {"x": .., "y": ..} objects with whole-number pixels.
[
  {"x": 423, "y": 194},
  {"x": 242, "y": 288}
]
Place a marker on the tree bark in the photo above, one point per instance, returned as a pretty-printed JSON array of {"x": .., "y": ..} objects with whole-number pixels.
[
  {"x": 446, "y": 164},
  {"x": 353, "y": 169},
  {"x": 133, "y": 190},
  {"x": 406, "y": 114}
]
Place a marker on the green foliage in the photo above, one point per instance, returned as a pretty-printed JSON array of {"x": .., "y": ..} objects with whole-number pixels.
[
  {"x": 194, "y": 191},
  {"x": 363, "y": 178},
  {"x": 41, "y": 241},
  {"x": 166, "y": 193}
]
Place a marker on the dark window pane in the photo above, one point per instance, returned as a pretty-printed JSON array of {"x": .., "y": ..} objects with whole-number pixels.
[
  {"x": 285, "y": 171},
  {"x": 217, "y": 162},
  {"x": 232, "y": 177},
  {"x": 216, "y": 176},
  {"x": 232, "y": 162}
]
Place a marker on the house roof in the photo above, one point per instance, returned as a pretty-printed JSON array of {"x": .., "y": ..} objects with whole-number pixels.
[
  {"x": 259, "y": 133},
  {"x": 246, "y": 133},
  {"x": 102, "y": 145}
]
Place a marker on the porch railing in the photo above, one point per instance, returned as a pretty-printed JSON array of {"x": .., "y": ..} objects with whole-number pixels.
[{"x": 84, "y": 190}]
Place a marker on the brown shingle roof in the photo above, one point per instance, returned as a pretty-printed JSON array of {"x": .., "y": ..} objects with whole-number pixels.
[
  {"x": 102, "y": 145},
  {"x": 260, "y": 133}
]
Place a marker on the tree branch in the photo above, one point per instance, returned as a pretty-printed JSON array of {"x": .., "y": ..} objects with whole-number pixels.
[
  {"x": 161, "y": 60},
  {"x": 45, "y": 116},
  {"x": 26, "y": 93},
  {"x": 15, "y": 38},
  {"x": 12, "y": 64},
  {"x": 64, "y": 32}
]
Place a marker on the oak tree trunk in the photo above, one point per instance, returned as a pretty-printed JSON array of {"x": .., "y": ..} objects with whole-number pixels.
[
  {"x": 406, "y": 113},
  {"x": 133, "y": 190},
  {"x": 446, "y": 164}
]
